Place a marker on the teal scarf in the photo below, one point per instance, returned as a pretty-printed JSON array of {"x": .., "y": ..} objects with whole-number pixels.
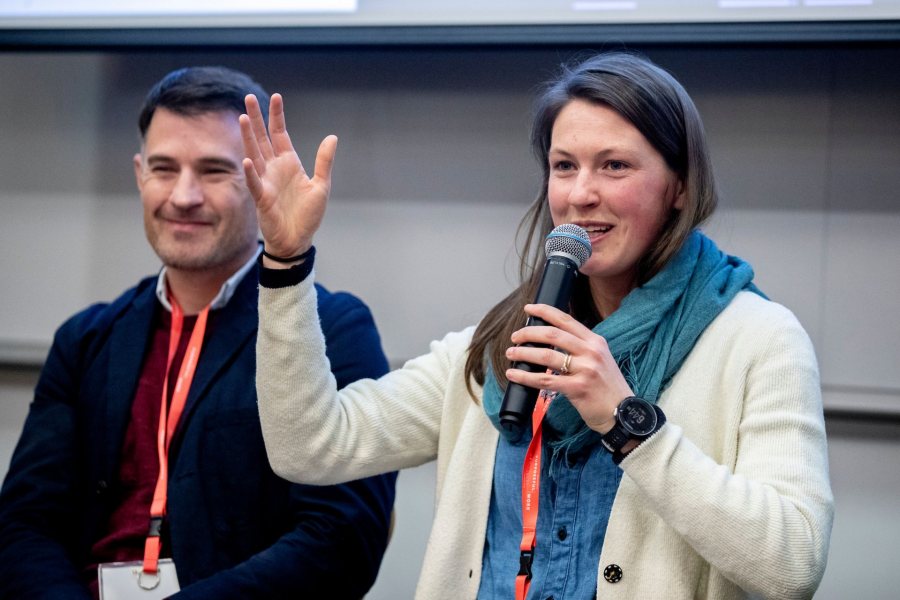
[{"x": 651, "y": 333}]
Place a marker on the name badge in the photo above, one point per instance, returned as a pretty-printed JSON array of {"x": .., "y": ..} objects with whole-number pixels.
[{"x": 127, "y": 580}]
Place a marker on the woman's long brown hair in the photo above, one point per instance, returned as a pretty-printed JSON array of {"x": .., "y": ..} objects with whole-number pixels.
[{"x": 659, "y": 107}]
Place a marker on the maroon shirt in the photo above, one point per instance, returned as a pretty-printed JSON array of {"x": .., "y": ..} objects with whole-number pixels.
[{"x": 126, "y": 530}]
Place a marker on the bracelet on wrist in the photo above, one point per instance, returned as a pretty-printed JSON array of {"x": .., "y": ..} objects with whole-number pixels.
[
  {"x": 274, "y": 277},
  {"x": 288, "y": 259}
]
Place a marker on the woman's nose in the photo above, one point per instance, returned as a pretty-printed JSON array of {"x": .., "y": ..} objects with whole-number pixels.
[{"x": 585, "y": 191}]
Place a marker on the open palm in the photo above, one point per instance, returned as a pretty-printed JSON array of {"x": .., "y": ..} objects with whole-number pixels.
[{"x": 290, "y": 204}]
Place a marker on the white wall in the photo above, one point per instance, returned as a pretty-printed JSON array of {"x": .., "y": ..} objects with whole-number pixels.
[{"x": 433, "y": 173}]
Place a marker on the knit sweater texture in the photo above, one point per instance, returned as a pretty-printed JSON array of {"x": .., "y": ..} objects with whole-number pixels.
[{"x": 730, "y": 499}]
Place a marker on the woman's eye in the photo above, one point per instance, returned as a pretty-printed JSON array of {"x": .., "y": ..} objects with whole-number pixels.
[
  {"x": 616, "y": 165},
  {"x": 563, "y": 165}
]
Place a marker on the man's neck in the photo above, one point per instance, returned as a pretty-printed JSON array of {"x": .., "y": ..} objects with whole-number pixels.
[{"x": 194, "y": 290}]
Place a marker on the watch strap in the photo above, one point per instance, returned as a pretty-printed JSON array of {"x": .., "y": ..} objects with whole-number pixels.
[
  {"x": 615, "y": 438},
  {"x": 618, "y": 436},
  {"x": 618, "y": 456}
]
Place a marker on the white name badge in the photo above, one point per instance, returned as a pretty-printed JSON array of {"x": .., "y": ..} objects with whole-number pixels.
[{"x": 127, "y": 581}]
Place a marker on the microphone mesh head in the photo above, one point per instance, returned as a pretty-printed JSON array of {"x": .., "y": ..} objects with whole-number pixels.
[{"x": 571, "y": 240}]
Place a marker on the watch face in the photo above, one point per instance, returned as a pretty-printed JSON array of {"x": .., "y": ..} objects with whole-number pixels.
[{"x": 637, "y": 416}]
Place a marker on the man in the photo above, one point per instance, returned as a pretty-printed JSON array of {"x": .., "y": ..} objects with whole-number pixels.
[{"x": 125, "y": 431}]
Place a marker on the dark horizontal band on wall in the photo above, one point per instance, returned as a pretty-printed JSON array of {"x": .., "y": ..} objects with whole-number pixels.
[
  {"x": 862, "y": 416},
  {"x": 884, "y": 407},
  {"x": 590, "y": 35},
  {"x": 18, "y": 354}
]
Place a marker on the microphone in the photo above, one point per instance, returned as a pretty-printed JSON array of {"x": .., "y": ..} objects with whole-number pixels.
[{"x": 567, "y": 247}]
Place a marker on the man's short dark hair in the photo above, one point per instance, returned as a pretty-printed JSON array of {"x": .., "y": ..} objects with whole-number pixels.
[{"x": 196, "y": 90}]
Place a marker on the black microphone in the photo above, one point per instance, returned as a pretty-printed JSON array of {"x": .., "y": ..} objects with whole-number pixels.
[{"x": 567, "y": 247}]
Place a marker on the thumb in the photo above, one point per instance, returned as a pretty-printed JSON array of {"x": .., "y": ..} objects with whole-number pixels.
[{"x": 325, "y": 159}]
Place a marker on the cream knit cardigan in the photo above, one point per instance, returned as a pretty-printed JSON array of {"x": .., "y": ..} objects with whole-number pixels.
[{"x": 730, "y": 499}]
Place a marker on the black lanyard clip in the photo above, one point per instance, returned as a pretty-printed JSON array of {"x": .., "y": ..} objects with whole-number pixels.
[
  {"x": 155, "y": 527},
  {"x": 526, "y": 557}
]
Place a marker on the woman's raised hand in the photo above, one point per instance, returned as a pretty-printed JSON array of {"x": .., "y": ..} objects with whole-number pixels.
[{"x": 290, "y": 204}]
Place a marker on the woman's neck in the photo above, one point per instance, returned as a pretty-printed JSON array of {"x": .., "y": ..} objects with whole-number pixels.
[{"x": 608, "y": 294}]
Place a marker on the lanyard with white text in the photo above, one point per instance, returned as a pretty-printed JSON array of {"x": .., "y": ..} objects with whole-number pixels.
[
  {"x": 531, "y": 492},
  {"x": 168, "y": 420}
]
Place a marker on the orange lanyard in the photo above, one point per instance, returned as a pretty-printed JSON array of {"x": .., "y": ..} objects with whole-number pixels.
[
  {"x": 531, "y": 493},
  {"x": 168, "y": 422}
]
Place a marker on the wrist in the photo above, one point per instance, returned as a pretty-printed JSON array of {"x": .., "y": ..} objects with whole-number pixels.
[
  {"x": 285, "y": 274},
  {"x": 619, "y": 455},
  {"x": 275, "y": 260},
  {"x": 635, "y": 420},
  {"x": 629, "y": 446},
  {"x": 604, "y": 426},
  {"x": 276, "y": 265}
]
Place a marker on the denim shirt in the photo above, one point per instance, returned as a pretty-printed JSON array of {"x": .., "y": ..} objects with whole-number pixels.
[{"x": 573, "y": 512}]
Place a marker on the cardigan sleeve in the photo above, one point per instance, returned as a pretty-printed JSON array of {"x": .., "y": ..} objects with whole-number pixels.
[
  {"x": 763, "y": 516},
  {"x": 334, "y": 536},
  {"x": 317, "y": 434}
]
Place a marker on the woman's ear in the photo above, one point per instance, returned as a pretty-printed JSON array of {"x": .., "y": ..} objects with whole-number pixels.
[{"x": 680, "y": 193}]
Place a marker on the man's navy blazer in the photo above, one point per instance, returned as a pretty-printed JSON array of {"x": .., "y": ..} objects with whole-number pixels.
[{"x": 236, "y": 529}]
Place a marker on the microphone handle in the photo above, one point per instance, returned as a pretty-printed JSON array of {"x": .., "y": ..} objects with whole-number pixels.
[
  {"x": 556, "y": 290},
  {"x": 518, "y": 402}
]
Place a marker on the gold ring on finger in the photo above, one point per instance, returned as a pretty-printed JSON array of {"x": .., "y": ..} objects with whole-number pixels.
[{"x": 566, "y": 364}]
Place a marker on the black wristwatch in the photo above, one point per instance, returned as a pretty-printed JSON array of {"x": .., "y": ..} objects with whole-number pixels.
[{"x": 636, "y": 419}]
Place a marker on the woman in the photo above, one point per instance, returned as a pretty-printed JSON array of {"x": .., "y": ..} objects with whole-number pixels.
[{"x": 724, "y": 493}]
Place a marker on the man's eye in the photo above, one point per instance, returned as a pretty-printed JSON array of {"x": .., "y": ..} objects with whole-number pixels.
[
  {"x": 216, "y": 176},
  {"x": 216, "y": 173}
]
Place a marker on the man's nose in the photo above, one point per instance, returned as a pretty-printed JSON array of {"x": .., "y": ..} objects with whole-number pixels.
[{"x": 187, "y": 191}]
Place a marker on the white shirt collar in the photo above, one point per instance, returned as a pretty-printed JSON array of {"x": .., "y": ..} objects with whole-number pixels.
[{"x": 225, "y": 292}]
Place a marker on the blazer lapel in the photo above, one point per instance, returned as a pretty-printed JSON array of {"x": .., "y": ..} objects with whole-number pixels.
[{"x": 127, "y": 346}]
